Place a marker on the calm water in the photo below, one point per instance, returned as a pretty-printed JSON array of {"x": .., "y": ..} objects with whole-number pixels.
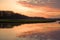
[{"x": 36, "y": 31}]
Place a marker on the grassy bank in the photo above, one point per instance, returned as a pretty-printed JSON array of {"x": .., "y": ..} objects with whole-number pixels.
[{"x": 25, "y": 21}]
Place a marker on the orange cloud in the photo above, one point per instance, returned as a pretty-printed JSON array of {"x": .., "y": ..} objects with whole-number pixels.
[
  {"x": 40, "y": 11},
  {"x": 29, "y": 9}
]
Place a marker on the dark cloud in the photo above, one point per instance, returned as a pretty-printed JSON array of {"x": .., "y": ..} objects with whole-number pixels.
[
  {"x": 51, "y": 3},
  {"x": 56, "y": 4}
]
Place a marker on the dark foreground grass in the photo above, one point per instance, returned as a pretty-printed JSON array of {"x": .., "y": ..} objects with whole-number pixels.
[{"x": 25, "y": 21}]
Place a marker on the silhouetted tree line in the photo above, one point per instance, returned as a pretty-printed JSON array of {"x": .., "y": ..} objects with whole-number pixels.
[{"x": 12, "y": 15}]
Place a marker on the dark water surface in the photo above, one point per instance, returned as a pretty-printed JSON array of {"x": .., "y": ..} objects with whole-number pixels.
[{"x": 9, "y": 25}]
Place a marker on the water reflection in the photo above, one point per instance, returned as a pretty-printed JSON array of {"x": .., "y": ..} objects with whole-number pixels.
[
  {"x": 9, "y": 25},
  {"x": 38, "y": 31},
  {"x": 7, "y": 34},
  {"x": 54, "y": 35},
  {"x": 34, "y": 31}
]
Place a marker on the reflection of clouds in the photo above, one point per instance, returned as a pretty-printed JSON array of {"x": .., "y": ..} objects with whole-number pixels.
[
  {"x": 28, "y": 29},
  {"x": 41, "y": 37},
  {"x": 27, "y": 32},
  {"x": 55, "y": 35}
]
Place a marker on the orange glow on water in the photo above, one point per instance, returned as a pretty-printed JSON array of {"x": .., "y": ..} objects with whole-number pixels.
[{"x": 28, "y": 29}]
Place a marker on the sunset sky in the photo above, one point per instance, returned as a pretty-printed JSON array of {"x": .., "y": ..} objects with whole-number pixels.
[{"x": 34, "y": 8}]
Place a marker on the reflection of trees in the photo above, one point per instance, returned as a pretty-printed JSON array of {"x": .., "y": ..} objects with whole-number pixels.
[{"x": 8, "y": 25}]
